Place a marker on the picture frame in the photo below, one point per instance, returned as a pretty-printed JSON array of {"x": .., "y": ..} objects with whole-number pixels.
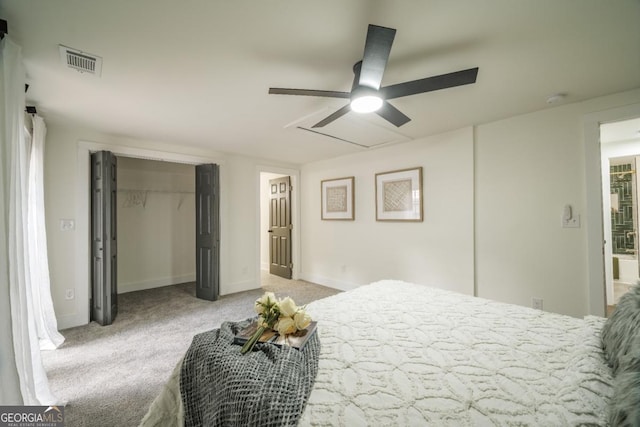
[
  {"x": 337, "y": 199},
  {"x": 399, "y": 195}
]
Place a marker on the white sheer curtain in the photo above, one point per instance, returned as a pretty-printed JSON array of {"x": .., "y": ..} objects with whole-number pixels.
[
  {"x": 44, "y": 316},
  {"x": 15, "y": 151}
]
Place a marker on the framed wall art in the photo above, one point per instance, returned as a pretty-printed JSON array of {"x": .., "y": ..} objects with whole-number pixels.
[
  {"x": 338, "y": 199},
  {"x": 399, "y": 195}
]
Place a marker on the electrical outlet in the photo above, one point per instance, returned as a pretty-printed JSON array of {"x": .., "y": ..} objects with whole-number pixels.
[
  {"x": 536, "y": 303},
  {"x": 573, "y": 222},
  {"x": 69, "y": 294}
]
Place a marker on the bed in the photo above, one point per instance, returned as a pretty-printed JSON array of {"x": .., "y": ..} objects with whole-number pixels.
[{"x": 397, "y": 353}]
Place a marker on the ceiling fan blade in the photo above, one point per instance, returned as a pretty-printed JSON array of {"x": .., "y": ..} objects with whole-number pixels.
[
  {"x": 392, "y": 114},
  {"x": 443, "y": 81},
  {"x": 341, "y": 112},
  {"x": 309, "y": 92},
  {"x": 376, "y": 54}
]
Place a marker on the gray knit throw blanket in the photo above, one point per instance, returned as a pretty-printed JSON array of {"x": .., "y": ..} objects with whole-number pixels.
[{"x": 268, "y": 386}]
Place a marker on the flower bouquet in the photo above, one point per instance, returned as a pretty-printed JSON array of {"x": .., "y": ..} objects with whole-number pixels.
[{"x": 282, "y": 316}]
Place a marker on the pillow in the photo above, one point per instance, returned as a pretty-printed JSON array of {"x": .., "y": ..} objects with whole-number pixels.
[
  {"x": 624, "y": 407},
  {"x": 622, "y": 328}
]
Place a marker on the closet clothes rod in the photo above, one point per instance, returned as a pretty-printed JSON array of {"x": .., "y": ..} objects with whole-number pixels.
[{"x": 157, "y": 191}]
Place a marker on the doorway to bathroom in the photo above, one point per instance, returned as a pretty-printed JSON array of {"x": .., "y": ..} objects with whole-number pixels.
[{"x": 620, "y": 147}]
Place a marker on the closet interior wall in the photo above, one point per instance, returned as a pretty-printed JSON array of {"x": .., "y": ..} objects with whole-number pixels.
[{"x": 156, "y": 224}]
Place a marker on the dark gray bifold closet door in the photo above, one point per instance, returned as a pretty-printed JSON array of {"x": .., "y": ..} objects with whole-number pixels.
[
  {"x": 104, "y": 249},
  {"x": 207, "y": 232}
]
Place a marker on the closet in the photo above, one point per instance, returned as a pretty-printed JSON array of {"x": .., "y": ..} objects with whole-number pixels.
[{"x": 156, "y": 224}]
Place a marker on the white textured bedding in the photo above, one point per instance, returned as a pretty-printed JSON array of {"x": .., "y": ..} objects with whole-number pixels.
[{"x": 395, "y": 353}]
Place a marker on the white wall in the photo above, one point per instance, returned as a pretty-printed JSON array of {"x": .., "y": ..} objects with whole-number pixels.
[
  {"x": 527, "y": 168},
  {"x": 437, "y": 251},
  {"x": 66, "y": 196},
  {"x": 510, "y": 185},
  {"x": 156, "y": 237}
]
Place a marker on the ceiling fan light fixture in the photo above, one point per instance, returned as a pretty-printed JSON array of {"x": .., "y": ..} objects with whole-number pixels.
[
  {"x": 365, "y": 100},
  {"x": 366, "y": 104}
]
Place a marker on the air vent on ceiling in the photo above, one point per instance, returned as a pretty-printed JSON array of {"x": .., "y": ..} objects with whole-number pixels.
[{"x": 81, "y": 61}]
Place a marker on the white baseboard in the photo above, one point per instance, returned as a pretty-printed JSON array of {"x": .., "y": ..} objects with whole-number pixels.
[
  {"x": 67, "y": 321},
  {"x": 155, "y": 283},
  {"x": 328, "y": 282},
  {"x": 264, "y": 266},
  {"x": 233, "y": 288}
]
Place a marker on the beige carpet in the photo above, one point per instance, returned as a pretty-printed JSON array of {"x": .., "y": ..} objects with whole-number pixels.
[{"x": 109, "y": 375}]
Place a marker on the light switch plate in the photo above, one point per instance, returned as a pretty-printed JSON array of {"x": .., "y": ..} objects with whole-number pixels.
[{"x": 67, "y": 224}]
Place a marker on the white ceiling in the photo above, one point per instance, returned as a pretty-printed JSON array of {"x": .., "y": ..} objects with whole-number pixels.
[{"x": 197, "y": 72}]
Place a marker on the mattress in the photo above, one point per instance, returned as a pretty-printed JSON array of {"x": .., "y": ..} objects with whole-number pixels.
[{"x": 397, "y": 353}]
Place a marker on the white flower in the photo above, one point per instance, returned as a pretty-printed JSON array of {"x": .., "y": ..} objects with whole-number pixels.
[
  {"x": 265, "y": 302},
  {"x": 284, "y": 316},
  {"x": 301, "y": 320},
  {"x": 287, "y": 307},
  {"x": 285, "y": 326}
]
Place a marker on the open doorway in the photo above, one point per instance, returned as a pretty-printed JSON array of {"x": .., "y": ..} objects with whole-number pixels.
[
  {"x": 81, "y": 315},
  {"x": 275, "y": 229},
  {"x": 151, "y": 226},
  {"x": 595, "y": 200},
  {"x": 620, "y": 157},
  {"x": 271, "y": 184}
]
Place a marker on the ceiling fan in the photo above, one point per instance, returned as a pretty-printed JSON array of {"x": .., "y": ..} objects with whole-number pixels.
[{"x": 367, "y": 96}]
